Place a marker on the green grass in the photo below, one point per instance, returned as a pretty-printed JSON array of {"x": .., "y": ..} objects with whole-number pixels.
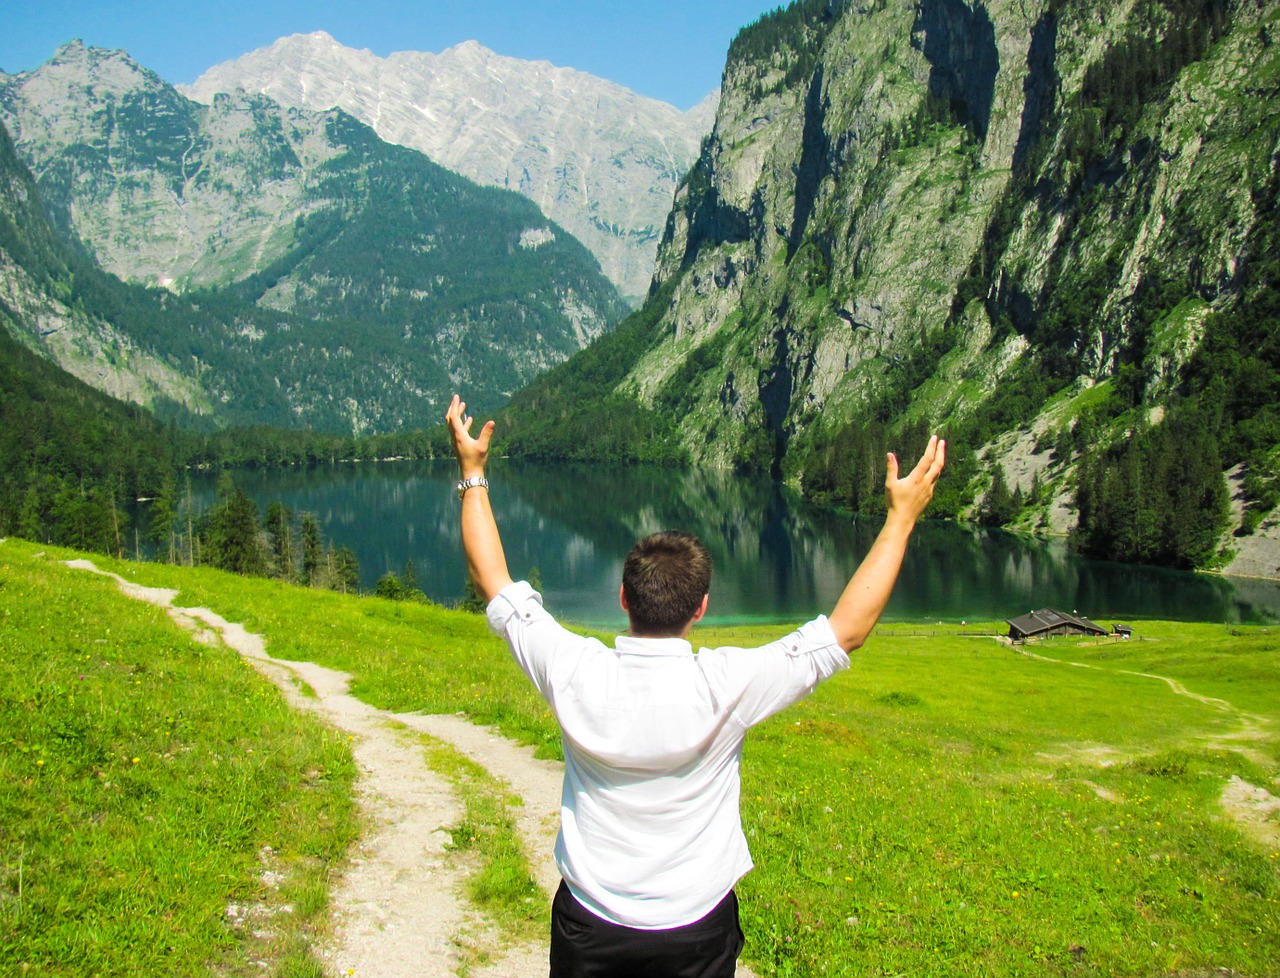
[
  {"x": 501, "y": 883},
  {"x": 403, "y": 656},
  {"x": 939, "y": 809},
  {"x": 947, "y": 806},
  {"x": 143, "y": 777}
]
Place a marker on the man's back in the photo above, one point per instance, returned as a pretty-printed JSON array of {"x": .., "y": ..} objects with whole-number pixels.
[{"x": 650, "y": 828}]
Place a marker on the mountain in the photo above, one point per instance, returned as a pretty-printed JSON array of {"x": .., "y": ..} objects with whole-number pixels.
[
  {"x": 343, "y": 283},
  {"x": 598, "y": 159},
  {"x": 1046, "y": 228},
  {"x": 70, "y": 454},
  {"x": 56, "y": 303}
]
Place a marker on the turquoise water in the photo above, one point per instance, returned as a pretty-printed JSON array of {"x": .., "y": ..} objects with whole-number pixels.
[{"x": 777, "y": 558}]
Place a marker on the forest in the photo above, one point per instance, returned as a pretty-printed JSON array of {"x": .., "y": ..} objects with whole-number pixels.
[{"x": 81, "y": 469}]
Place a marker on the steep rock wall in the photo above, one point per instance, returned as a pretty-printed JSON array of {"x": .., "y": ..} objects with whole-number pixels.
[{"x": 903, "y": 204}]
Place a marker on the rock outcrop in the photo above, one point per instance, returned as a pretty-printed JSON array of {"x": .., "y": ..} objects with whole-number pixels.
[{"x": 989, "y": 217}]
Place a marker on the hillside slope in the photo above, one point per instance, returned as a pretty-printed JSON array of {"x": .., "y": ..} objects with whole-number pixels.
[{"x": 1040, "y": 227}]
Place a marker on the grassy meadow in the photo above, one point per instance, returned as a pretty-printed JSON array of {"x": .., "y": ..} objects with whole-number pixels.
[
  {"x": 947, "y": 806},
  {"x": 162, "y": 812}
]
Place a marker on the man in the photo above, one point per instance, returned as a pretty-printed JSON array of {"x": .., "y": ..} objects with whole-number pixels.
[{"x": 651, "y": 842}]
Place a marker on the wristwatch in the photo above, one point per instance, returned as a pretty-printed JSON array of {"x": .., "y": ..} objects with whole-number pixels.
[{"x": 475, "y": 480}]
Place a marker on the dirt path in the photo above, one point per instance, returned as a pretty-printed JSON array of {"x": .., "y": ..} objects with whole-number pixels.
[
  {"x": 398, "y": 909},
  {"x": 1249, "y": 727}
]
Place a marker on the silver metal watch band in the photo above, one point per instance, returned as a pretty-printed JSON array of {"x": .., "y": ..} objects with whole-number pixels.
[{"x": 475, "y": 480}]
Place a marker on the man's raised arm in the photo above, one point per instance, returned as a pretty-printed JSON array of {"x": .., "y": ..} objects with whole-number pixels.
[
  {"x": 486, "y": 561},
  {"x": 864, "y": 598}
]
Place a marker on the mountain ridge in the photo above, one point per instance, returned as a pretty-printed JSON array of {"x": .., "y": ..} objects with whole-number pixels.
[
  {"x": 597, "y": 158},
  {"x": 1038, "y": 228},
  {"x": 351, "y": 281}
]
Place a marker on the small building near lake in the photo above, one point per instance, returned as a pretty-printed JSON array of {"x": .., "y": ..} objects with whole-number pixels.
[{"x": 1048, "y": 623}]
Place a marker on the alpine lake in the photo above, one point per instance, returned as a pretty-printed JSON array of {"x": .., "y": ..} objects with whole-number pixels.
[{"x": 777, "y": 557}]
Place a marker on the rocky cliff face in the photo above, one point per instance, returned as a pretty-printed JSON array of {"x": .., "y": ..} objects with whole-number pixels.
[
  {"x": 160, "y": 190},
  {"x": 358, "y": 280},
  {"x": 598, "y": 159},
  {"x": 907, "y": 211},
  {"x": 39, "y": 307}
]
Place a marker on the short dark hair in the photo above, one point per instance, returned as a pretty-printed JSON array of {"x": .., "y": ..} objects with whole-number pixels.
[{"x": 664, "y": 579}]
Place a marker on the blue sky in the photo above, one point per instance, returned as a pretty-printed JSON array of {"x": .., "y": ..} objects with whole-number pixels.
[{"x": 667, "y": 49}]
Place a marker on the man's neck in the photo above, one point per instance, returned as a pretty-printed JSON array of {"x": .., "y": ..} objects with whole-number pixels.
[{"x": 682, "y": 633}]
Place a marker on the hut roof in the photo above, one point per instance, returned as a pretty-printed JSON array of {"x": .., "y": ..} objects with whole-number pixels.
[{"x": 1047, "y": 619}]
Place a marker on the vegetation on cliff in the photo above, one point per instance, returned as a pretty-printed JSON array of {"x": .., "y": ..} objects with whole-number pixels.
[
  {"x": 1042, "y": 230},
  {"x": 315, "y": 275}
]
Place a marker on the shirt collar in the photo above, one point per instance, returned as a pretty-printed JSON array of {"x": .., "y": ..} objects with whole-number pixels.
[{"x": 652, "y": 646}]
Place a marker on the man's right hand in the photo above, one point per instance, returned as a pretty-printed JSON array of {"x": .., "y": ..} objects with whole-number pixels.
[
  {"x": 906, "y": 497},
  {"x": 472, "y": 453},
  {"x": 867, "y": 592}
]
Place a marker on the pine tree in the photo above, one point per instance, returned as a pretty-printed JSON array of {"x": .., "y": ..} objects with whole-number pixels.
[
  {"x": 164, "y": 518},
  {"x": 391, "y": 587},
  {"x": 471, "y": 600},
  {"x": 192, "y": 555},
  {"x": 312, "y": 550},
  {"x": 346, "y": 571},
  {"x": 997, "y": 507},
  {"x": 28, "y": 525},
  {"x": 278, "y": 522},
  {"x": 231, "y": 532}
]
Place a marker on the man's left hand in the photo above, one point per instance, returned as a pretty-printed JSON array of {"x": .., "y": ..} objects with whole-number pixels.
[{"x": 472, "y": 452}]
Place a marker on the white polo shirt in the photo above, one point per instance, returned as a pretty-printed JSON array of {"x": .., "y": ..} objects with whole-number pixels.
[{"x": 650, "y": 831}]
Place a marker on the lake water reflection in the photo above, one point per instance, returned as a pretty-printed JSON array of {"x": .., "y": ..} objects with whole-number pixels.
[{"x": 776, "y": 557}]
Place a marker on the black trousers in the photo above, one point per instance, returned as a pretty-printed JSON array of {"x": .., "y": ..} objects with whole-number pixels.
[{"x": 584, "y": 946}]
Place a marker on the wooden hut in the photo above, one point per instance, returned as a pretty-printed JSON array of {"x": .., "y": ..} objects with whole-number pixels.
[{"x": 1047, "y": 623}]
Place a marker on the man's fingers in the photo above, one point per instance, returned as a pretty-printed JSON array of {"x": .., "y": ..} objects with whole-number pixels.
[
  {"x": 891, "y": 468},
  {"x": 927, "y": 459},
  {"x": 460, "y": 425},
  {"x": 939, "y": 460}
]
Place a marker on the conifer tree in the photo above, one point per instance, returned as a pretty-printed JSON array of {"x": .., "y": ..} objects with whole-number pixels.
[
  {"x": 391, "y": 587},
  {"x": 312, "y": 550},
  {"x": 346, "y": 571},
  {"x": 231, "y": 531},
  {"x": 164, "y": 518},
  {"x": 279, "y": 526},
  {"x": 28, "y": 523},
  {"x": 997, "y": 507}
]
